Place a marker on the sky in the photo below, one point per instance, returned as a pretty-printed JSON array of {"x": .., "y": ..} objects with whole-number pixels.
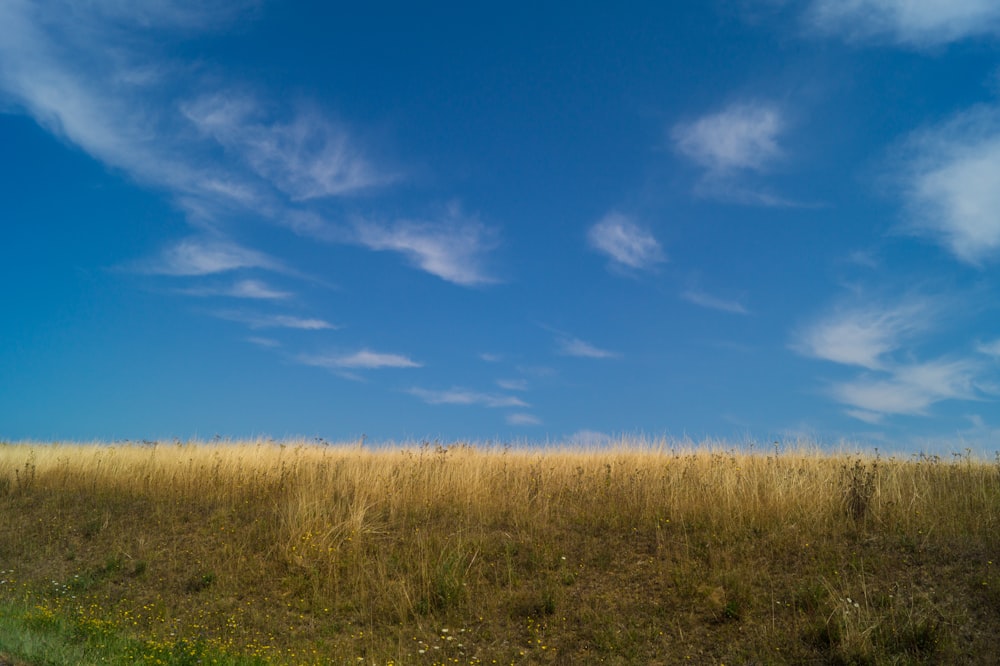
[{"x": 747, "y": 220}]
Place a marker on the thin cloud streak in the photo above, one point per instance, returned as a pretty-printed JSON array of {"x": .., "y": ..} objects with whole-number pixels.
[
  {"x": 250, "y": 289},
  {"x": 364, "y": 359},
  {"x": 453, "y": 249},
  {"x": 990, "y": 348},
  {"x": 569, "y": 346},
  {"x": 205, "y": 256},
  {"x": 268, "y": 343},
  {"x": 869, "y": 337},
  {"x": 523, "y": 419},
  {"x": 307, "y": 157},
  {"x": 918, "y": 23},
  {"x": 218, "y": 155},
  {"x": 257, "y": 289},
  {"x": 873, "y": 418},
  {"x": 705, "y": 300},
  {"x": 98, "y": 100},
  {"x": 256, "y": 321},
  {"x": 625, "y": 243},
  {"x": 513, "y": 384},
  {"x": 461, "y": 396},
  {"x": 910, "y": 389},
  {"x": 863, "y": 336}
]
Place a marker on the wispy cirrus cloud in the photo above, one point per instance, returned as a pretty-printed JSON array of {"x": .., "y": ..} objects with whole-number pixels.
[
  {"x": 990, "y": 348},
  {"x": 628, "y": 245},
  {"x": 256, "y": 289},
  {"x": 731, "y": 145},
  {"x": 261, "y": 321},
  {"x": 462, "y": 396},
  {"x": 89, "y": 75},
  {"x": 307, "y": 157},
  {"x": 523, "y": 419},
  {"x": 364, "y": 359},
  {"x": 454, "y": 249},
  {"x": 706, "y": 300},
  {"x": 267, "y": 343},
  {"x": 864, "y": 335},
  {"x": 513, "y": 384},
  {"x": 251, "y": 289},
  {"x": 949, "y": 175},
  {"x": 158, "y": 14},
  {"x": 910, "y": 388},
  {"x": 197, "y": 256},
  {"x": 880, "y": 338},
  {"x": 85, "y": 76},
  {"x": 92, "y": 75},
  {"x": 873, "y": 418},
  {"x": 918, "y": 23},
  {"x": 741, "y": 137},
  {"x": 570, "y": 346}
]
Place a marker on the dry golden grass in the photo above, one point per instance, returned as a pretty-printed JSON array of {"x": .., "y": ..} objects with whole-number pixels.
[{"x": 298, "y": 552}]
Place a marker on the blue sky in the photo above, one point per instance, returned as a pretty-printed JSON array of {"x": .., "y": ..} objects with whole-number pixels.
[{"x": 731, "y": 219}]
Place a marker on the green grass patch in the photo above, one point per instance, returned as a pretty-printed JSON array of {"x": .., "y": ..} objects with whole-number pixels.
[{"x": 40, "y": 636}]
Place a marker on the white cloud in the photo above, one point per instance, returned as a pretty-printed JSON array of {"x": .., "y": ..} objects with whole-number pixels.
[
  {"x": 182, "y": 14},
  {"x": 90, "y": 74},
  {"x": 205, "y": 256},
  {"x": 863, "y": 336},
  {"x": 490, "y": 358},
  {"x": 627, "y": 244},
  {"x": 895, "y": 381},
  {"x": 275, "y": 321},
  {"x": 363, "y": 359},
  {"x": 990, "y": 348},
  {"x": 523, "y": 419},
  {"x": 513, "y": 384},
  {"x": 743, "y": 136},
  {"x": 910, "y": 389},
  {"x": 912, "y": 22},
  {"x": 873, "y": 418},
  {"x": 461, "y": 396},
  {"x": 269, "y": 343},
  {"x": 307, "y": 157},
  {"x": 705, "y": 300},
  {"x": 950, "y": 184},
  {"x": 453, "y": 249},
  {"x": 74, "y": 71},
  {"x": 254, "y": 289},
  {"x": 569, "y": 346}
]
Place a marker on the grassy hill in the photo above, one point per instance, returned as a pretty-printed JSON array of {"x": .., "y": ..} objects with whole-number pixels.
[{"x": 303, "y": 553}]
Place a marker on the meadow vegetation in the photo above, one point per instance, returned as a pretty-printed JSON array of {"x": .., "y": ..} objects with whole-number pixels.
[{"x": 641, "y": 553}]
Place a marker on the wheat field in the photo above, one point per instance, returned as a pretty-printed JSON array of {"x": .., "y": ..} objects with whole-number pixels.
[{"x": 301, "y": 552}]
